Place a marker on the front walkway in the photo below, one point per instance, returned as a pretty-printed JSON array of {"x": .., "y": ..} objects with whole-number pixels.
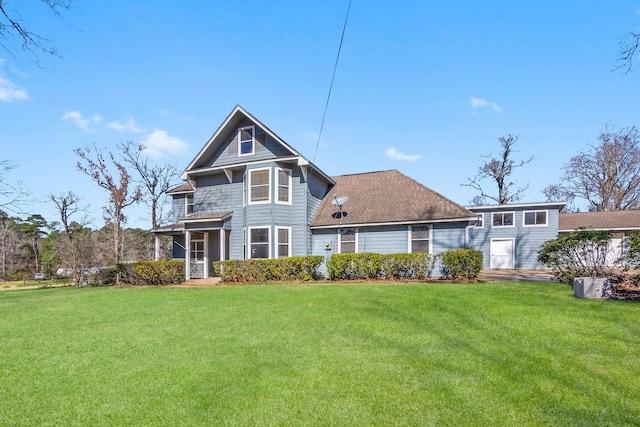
[{"x": 504, "y": 275}]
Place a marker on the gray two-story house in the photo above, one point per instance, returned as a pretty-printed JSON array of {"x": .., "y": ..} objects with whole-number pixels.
[{"x": 249, "y": 194}]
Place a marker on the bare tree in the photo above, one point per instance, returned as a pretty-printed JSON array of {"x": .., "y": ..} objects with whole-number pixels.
[
  {"x": 498, "y": 171},
  {"x": 11, "y": 18},
  {"x": 93, "y": 164},
  {"x": 75, "y": 246},
  {"x": 156, "y": 180},
  {"x": 628, "y": 48},
  {"x": 12, "y": 193},
  {"x": 607, "y": 176}
]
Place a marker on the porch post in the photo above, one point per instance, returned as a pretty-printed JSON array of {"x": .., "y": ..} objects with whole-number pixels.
[
  {"x": 156, "y": 247},
  {"x": 187, "y": 256},
  {"x": 206, "y": 254},
  {"x": 223, "y": 250}
]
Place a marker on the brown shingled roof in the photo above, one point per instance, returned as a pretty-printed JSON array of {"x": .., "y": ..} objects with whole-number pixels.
[
  {"x": 182, "y": 188},
  {"x": 384, "y": 197},
  {"x": 208, "y": 216},
  {"x": 611, "y": 220}
]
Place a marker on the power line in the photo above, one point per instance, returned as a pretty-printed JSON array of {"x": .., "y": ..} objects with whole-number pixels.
[{"x": 335, "y": 67}]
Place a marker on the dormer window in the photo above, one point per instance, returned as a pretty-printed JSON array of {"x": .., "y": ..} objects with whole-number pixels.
[{"x": 246, "y": 140}]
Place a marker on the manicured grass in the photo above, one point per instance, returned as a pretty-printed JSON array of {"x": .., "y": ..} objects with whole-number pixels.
[{"x": 487, "y": 354}]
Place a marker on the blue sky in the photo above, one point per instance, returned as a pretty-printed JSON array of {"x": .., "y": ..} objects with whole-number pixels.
[{"x": 422, "y": 87}]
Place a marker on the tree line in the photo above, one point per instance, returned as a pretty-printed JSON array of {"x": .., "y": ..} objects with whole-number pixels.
[{"x": 32, "y": 244}]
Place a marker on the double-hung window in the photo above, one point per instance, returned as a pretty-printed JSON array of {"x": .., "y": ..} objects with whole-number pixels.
[
  {"x": 535, "y": 218},
  {"x": 260, "y": 186},
  {"x": 283, "y": 236},
  {"x": 283, "y": 183},
  {"x": 502, "y": 219},
  {"x": 348, "y": 241},
  {"x": 188, "y": 208},
  {"x": 419, "y": 238},
  {"x": 246, "y": 140},
  {"x": 259, "y": 242}
]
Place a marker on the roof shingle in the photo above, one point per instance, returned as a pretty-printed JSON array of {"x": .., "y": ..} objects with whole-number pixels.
[
  {"x": 385, "y": 197},
  {"x": 611, "y": 220}
]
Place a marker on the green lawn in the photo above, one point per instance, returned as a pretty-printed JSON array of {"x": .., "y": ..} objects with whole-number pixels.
[{"x": 483, "y": 354}]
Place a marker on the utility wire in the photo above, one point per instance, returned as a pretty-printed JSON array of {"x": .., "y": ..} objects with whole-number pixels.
[{"x": 335, "y": 67}]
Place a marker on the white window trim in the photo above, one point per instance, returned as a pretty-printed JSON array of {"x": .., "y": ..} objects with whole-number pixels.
[
  {"x": 260, "y": 202},
  {"x": 277, "y": 185},
  {"x": 410, "y": 240},
  {"x": 277, "y": 242},
  {"x": 480, "y": 220},
  {"x": 355, "y": 233},
  {"x": 253, "y": 141},
  {"x": 244, "y": 243},
  {"x": 503, "y": 213},
  {"x": 546, "y": 217},
  {"x": 244, "y": 188},
  {"x": 269, "y": 240}
]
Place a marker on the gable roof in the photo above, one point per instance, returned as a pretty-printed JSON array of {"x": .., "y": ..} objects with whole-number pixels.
[
  {"x": 610, "y": 220},
  {"x": 385, "y": 197},
  {"x": 231, "y": 123}
]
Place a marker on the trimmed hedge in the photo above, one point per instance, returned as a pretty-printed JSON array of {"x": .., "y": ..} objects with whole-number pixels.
[
  {"x": 155, "y": 273},
  {"x": 461, "y": 263},
  {"x": 365, "y": 266},
  {"x": 264, "y": 270}
]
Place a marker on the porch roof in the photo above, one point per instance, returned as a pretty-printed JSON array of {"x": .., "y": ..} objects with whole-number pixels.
[{"x": 204, "y": 217}]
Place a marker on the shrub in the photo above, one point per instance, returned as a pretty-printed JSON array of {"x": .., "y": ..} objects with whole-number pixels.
[
  {"x": 581, "y": 253},
  {"x": 265, "y": 270},
  {"x": 155, "y": 273},
  {"x": 364, "y": 266},
  {"x": 463, "y": 263}
]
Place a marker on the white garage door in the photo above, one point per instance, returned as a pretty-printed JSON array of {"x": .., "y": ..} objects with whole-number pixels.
[{"x": 502, "y": 253}]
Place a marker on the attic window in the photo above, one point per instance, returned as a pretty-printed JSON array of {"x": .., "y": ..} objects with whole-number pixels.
[{"x": 246, "y": 140}]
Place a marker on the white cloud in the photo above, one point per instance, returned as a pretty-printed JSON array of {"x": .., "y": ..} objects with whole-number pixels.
[
  {"x": 394, "y": 154},
  {"x": 159, "y": 144},
  {"x": 81, "y": 122},
  {"x": 483, "y": 103},
  {"x": 10, "y": 92},
  {"x": 130, "y": 125}
]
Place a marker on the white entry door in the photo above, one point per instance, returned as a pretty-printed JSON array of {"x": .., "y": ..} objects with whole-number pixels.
[{"x": 502, "y": 253}]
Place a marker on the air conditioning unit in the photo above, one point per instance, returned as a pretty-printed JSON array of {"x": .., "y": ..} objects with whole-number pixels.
[{"x": 591, "y": 287}]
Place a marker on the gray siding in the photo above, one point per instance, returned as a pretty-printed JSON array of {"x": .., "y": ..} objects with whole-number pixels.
[
  {"x": 383, "y": 240},
  {"x": 178, "y": 208},
  {"x": 214, "y": 193},
  {"x": 447, "y": 236},
  {"x": 390, "y": 239},
  {"x": 265, "y": 148},
  {"x": 528, "y": 240},
  {"x": 316, "y": 188}
]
